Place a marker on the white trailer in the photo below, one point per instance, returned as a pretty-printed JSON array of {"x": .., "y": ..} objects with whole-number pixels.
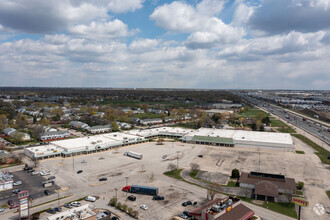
[{"x": 133, "y": 154}]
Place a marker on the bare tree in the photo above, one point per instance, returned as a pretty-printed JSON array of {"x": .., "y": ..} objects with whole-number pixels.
[
  {"x": 171, "y": 166},
  {"x": 194, "y": 167},
  {"x": 211, "y": 192},
  {"x": 152, "y": 177},
  {"x": 288, "y": 195},
  {"x": 160, "y": 141}
]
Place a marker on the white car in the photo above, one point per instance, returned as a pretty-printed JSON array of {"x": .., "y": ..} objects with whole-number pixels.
[
  {"x": 34, "y": 173},
  {"x": 144, "y": 207},
  {"x": 90, "y": 198},
  {"x": 76, "y": 204},
  {"x": 17, "y": 183}
]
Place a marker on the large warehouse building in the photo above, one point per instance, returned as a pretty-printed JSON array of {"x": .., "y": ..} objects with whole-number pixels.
[{"x": 207, "y": 136}]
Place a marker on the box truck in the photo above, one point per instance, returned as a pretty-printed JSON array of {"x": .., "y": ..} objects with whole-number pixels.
[
  {"x": 133, "y": 154},
  {"x": 147, "y": 190}
]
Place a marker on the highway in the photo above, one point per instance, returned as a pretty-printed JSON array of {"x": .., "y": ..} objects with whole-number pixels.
[{"x": 317, "y": 129}]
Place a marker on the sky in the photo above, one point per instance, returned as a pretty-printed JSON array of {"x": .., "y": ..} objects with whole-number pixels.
[{"x": 205, "y": 44}]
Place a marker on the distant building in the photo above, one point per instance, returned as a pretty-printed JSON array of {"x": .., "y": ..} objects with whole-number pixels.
[
  {"x": 6, "y": 157},
  {"x": 86, "y": 212},
  {"x": 229, "y": 208},
  {"x": 79, "y": 125},
  {"x": 267, "y": 186},
  {"x": 151, "y": 121},
  {"x": 227, "y": 105},
  {"x": 6, "y": 182},
  {"x": 8, "y": 131},
  {"x": 54, "y": 135},
  {"x": 211, "y": 112},
  {"x": 123, "y": 125},
  {"x": 99, "y": 129}
]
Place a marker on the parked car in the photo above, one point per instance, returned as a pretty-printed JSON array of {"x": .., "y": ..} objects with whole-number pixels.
[
  {"x": 90, "y": 198},
  {"x": 69, "y": 206},
  {"x": 158, "y": 198},
  {"x": 107, "y": 213},
  {"x": 51, "y": 178},
  {"x": 183, "y": 216},
  {"x": 189, "y": 203},
  {"x": 17, "y": 183},
  {"x": 187, "y": 213},
  {"x": 131, "y": 197},
  {"x": 16, "y": 191},
  {"x": 103, "y": 179},
  {"x": 14, "y": 206},
  {"x": 76, "y": 204},
  {"x": 79, "y": 171},
  {"x": 47, "y": 192},
  {"x": 58, "y": 209},
  {"x": 144, "y": 207},
  {"x": 201, "y": 156},
  {"x": 51, "y": 211},
  {"x": 34, "y": 173},
  {"x": 114, "y": 218},
  {"x": 184, "y": 204},
  {"x": 11, "y": 202},
  {"x": 164, "y": 157},
  {"x": 2, "y": 210}
]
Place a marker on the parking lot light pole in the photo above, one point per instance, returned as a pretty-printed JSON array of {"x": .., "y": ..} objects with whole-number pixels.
[
  {"x": 126, "y": 184},
  {"x": 177, "y": 160},
  {"x": 116, "y": 192}
]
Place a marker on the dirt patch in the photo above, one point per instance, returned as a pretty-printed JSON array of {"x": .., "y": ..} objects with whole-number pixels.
[
  {"x": 96, "y": 184},
  {"x": 258, "y": 202},
  {"x": 215, "y": 177}
]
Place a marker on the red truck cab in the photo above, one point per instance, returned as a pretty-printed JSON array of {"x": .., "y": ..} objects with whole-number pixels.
[{"x": 126, "y": 188}]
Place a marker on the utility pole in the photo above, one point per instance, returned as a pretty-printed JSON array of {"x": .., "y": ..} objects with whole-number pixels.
[
  {"x": 116, "y": 192},
  {"x": 177, "y": 160}
]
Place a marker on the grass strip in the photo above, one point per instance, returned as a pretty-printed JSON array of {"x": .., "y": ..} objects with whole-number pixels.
[
  {"x": 321, "y": 152},
  {"x": 300, "y": 152}
]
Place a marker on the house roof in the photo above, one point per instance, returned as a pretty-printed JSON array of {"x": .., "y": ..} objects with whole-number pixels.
[
  {"x": 266, "y": 188},
  {"x": 283, "y": 183},
  {"x": 240, "y": 212}
]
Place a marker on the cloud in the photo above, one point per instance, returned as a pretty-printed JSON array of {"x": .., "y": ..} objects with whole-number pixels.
[
  {"x": 102, "y": 30},
  {"x": 283, "y": 16},
  {"x": 206, "y": 30},
  {"x": 39, "y": 16},
  {"x": 210, "y": 7},
  {"x": 264, "y": 48},
  {"x": 142, "y": 45},
  {"x": 122, "y": 6}
]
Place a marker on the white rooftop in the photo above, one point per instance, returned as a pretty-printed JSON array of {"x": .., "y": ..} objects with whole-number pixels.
[{"x": 156, "y": 131}]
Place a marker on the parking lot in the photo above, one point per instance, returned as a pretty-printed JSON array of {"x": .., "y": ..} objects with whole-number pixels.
[
  {"x": 29, "y": 183},
  {"x": 114, "y": 166}
]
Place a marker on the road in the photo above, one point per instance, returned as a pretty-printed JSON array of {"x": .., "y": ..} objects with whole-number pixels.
[{"x": 317, "y": 129}]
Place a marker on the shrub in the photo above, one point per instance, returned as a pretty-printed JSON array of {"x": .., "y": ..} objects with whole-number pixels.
[
  {"x": 118, "y": 206},
  {"x": 130, "y": 210},
  {"x": 235, "y": 173},
  {"x": 300, "y": 185},
  {"x": 113, "y": 202},
  {"x": 124, "y": 207}
]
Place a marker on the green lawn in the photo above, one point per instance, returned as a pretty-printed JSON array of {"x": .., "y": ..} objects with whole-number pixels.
[
  {"x": 277, "y": 123},
  {"x": 299, "y": 192},
  {"x": 300, "y": 152},
  {"x": 252, "y": 112},
  {"x": 284, "y": 208},
  {"x": 321, "y": 152},
  {"x": 174, "y": 174},
  {"x": 231, "y": 184},
  {"x": 286, "y": 130},
  {"x": 328, "y": 193},
  {"x": 193, "y": 173}
]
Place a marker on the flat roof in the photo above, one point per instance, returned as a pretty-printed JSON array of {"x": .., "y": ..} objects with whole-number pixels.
[
  {"x": 239, "y": 135},
  {"x": 213, "y": 139}
]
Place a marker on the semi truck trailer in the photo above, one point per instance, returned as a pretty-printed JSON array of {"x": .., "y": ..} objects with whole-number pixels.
[
  {"x": 133, "y": 154},
  {"x": 147, "y": 190}
]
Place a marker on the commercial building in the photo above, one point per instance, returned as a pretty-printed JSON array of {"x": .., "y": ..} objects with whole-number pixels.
[
  {"x": 54, "y": 135},
  {"x": 99, "y": 129},
  {"x": 240, "y": 138},
  {"x": 268, "y": 187},
  {"x": 229, "y": 208},
  {"x": 211, "y": 112},
  {"x": 6, "y": 182}
]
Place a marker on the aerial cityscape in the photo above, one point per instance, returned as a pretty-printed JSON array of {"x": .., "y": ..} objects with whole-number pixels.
[{"x": 169, "y": 110}]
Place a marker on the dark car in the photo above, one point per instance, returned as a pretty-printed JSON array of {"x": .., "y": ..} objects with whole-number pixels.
[
  {"x": 189, "y": 203},
  {"x": 201, "y": 156},
  {"x": 107, "y": 213},
  {"x": 131, "y": 197},
  {"x": 51, "y": 211},
  {"x": 11, "y": 202},
  {"x": 158, "y": 198},
  {"x": 79, "y": 171},
  {"x": 51, "y": 178},
  {"x": 195, "y": 203},
  {"x": 47, "y": 192},
  {"x": 184, "y": 204},
  {"x": 103, "y": 179},
  {"x": 114, "y": 218},
  {"x": 30, "y": 170},
  {"x": 16, "y": 191},
  {"x": 187, "y": 213},
  {"x": 69, "y": 206},
  {"x": 58, "y": 209}
]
